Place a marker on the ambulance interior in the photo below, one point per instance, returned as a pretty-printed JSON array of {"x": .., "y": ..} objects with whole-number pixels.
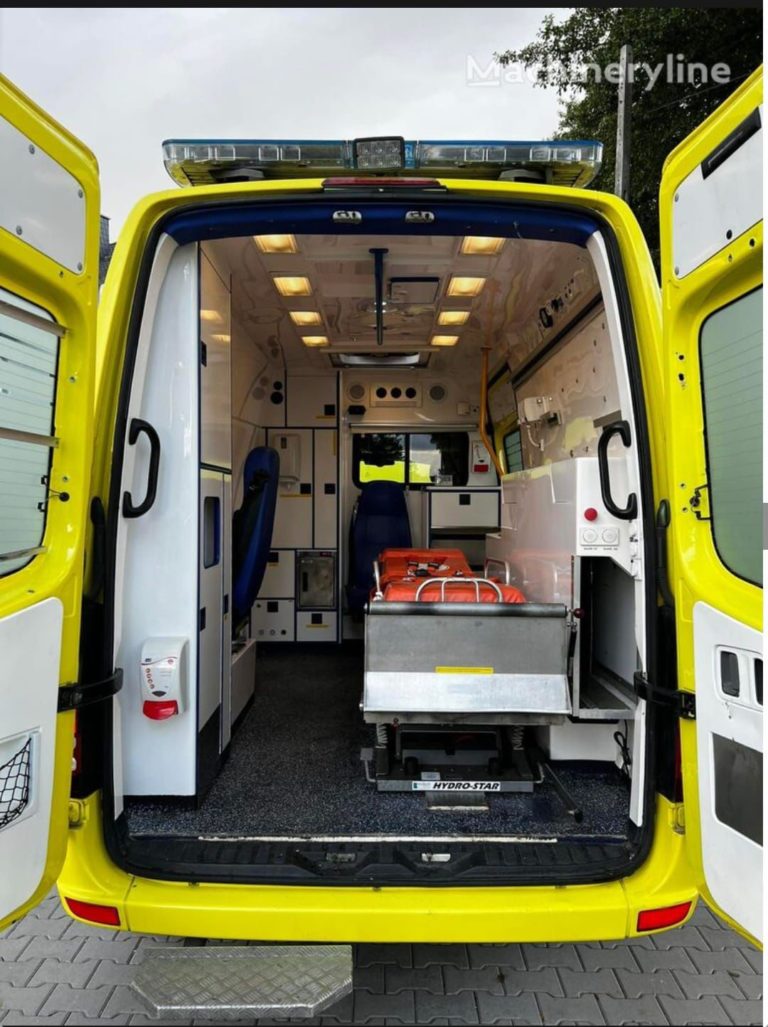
[{"x": 379, "y": 594}]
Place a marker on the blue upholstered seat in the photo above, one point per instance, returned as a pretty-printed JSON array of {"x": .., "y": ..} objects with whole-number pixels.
[
  {"x": 252, "y": 529},
  {"x": 380, "y": 521}
]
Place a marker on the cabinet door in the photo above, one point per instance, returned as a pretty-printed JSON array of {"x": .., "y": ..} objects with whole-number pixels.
[
  {"x": 326, "y": 489},
  {"x": 215, "y": 369},
  {"x": 211, "y": 581},
  {"x": 226, "y": 610}
]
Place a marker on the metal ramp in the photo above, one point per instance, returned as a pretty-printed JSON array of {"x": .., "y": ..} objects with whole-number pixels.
[{"x": 232, "y": 982}]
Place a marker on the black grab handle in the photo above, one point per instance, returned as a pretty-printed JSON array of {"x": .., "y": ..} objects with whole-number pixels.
[
  {"x": 137, "y": 427},
  {"x": 628, "y": 512}
]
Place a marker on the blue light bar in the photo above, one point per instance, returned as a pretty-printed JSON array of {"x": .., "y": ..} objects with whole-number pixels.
[{"x": 556, "y": 162}]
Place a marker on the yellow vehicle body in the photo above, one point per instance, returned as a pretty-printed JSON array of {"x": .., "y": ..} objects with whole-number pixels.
[
  {"x": 586, "y": 912},
  {"x": 672, "y": 872}
]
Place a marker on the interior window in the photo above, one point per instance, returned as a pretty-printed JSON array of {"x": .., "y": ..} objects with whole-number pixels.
[
  {"x": 439, "y": 458},
  {"x": 731, "y": 373},
  {"x": 513, "y": 451},
  {"x": 378, "y": 457},
  {"x": 28, "y": 361}
]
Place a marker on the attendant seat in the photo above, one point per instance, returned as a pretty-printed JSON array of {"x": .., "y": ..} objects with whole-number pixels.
[
  {"x": 380, "y": 521},
  {"x": 252, "y": 530}
]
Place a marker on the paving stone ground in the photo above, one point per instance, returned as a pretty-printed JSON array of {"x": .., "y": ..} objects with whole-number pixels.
[{"x": 54, "y": 970}]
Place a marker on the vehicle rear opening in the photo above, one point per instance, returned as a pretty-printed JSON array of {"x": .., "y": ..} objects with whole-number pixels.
[{"x": 381, "y": 586}]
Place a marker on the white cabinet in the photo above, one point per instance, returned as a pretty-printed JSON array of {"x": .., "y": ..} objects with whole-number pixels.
[
  {"x": 272, "y": 620},
  {"x": 325, "y": 489},
  {"x": 215, "y": 369},
  {"x": 293, "y": 516},
  {"x": 312, "y": 401},
  {"x": 211, "y": 570},
  {"x": 464, "y": 508},
  {"x": 316, "y": 627},
  {"x": 280, "y": 576}
]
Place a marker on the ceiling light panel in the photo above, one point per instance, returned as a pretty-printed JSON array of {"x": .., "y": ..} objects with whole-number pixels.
[
  {"x": 452, "y": 318},
  {"x": 276, "y": 243},
  {"x": 292, "y": 285},
  {"x": 481, "y": 245},
  {"x": 465, "y": 286}
]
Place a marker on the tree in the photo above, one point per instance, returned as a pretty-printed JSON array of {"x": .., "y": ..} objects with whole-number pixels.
[{"x": 566, "y": 52}]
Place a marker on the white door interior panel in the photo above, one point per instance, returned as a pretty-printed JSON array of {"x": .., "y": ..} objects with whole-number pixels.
[
  {"x": 30, "y": 643},
  {"x": 712, "y": 207},
  {"x": 729, "y": 722}
]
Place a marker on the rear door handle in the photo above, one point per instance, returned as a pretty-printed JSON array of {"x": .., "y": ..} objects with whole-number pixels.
[
  {"x": 624, "y": 513},
  {"x": 139, "y": 427}
]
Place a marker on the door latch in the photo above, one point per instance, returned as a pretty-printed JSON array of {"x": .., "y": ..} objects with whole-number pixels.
[
  {"x": 682, "y": 704},
  {"x": 700, "y": 504},
  {"x": 75, "y": 696}
]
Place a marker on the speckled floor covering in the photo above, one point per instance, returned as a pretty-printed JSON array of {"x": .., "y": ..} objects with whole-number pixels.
[{"x": 294, "y": 769}]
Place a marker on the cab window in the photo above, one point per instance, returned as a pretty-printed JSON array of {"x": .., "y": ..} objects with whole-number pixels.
[
  {"x": 28, "y": 365},
  {"x": 411, "y": 458},
  {"x": 731, "y": 373}
]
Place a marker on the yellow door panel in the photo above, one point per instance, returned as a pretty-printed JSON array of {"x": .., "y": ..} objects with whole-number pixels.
[
  {"x": 49, "y": 263},
  {"x": 712, "y": 247}
]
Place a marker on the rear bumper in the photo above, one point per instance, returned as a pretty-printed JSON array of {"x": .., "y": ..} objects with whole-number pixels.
[{"x": 551, "y": 913}]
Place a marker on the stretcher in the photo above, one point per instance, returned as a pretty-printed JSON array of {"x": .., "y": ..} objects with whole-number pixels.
[
  {"x": 457, "y": 667},
  {"x": 436, "y": 575}
]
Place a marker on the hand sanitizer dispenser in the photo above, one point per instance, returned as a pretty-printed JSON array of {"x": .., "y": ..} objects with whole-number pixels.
[{"x": 163, "y": 673}]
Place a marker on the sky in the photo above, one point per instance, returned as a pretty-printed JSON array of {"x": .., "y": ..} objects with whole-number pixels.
[{"x": 124, "y": 80}]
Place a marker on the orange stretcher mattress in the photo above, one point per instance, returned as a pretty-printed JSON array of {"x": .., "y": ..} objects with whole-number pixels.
[
  {"x": 403, "y": 571},
  {"x": 396, "y": 564}
]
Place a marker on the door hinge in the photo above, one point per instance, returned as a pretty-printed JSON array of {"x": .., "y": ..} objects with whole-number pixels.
[
  {"x": 75, "y": 696},
  {"x": 700, "y": 504},
  {"x": 683, "y": 704}
]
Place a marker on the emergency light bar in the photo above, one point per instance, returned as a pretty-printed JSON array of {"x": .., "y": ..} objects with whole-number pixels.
[{"x": 199, "y": 162}]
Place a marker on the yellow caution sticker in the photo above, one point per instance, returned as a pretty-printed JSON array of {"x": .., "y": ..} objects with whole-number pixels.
[{"x": 464, "y": 670}]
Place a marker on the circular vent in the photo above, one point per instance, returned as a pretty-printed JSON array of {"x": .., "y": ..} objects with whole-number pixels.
[
  {"x": 437, "y": 393},
  {"x": 356, "y": 391}
]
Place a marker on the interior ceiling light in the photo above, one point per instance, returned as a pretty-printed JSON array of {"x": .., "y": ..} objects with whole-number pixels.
[
  {"x": 277, "y": 243},
  {"x": 466, "y": 286},
  {"x": 292, "y": 285},
  {"x": 315, "y": 340},
  {"x": 481, "y": 245},
  {"x": 305, "y": 318},
  {"x": 452, "y": 318},
  {"x": 444, "y": 340},
  {"x": 210, "y": 315}
]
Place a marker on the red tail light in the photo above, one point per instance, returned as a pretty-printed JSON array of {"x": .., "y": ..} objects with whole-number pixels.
[
  {"x": 94, "y": 912},
  {"x": 667, "y": 916}
]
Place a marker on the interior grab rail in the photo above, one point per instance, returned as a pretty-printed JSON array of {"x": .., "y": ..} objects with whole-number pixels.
[{"x": 477, "y": 582}]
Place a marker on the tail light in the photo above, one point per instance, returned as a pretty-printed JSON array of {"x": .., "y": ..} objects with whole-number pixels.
[
  {"x": 666, "y": 916},
  {"x": 108, "y": 916}
]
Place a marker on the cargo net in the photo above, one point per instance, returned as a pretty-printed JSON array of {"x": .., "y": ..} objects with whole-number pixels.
[{"x": 14, "y": 785}]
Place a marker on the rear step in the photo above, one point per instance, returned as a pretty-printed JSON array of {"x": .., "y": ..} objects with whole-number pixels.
[{"x": 231, "y": 982}]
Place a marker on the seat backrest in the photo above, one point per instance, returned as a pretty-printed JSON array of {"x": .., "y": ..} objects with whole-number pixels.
[
  {"x": 252, "y": 529},
  {"x": 380, "y": 521}
]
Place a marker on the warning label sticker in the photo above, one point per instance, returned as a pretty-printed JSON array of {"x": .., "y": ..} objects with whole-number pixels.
[{"x": 456, "y": 786}]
